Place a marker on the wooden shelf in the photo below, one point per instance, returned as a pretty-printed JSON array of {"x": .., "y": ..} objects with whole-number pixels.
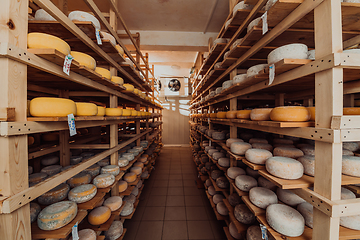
[
  {"x": 93, "y": 202},
  {"x": 253, "y": 166},
  {"x": 254, "y": 209},
  {"x": 241, "y": 228},
  {"x": 239, "y": 192},
  {"x": 128, "y": 191}
]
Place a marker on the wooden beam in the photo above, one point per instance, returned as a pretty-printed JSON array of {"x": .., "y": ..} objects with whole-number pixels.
[
  {"x": 88, "y": 94},
  {"x": 7, "y": 114},
  {"x": 90, "y": 146}
]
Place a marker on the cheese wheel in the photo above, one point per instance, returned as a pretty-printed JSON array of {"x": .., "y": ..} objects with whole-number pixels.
[
  {"x": 135, "y": 191},
  {"x": 139, "y": 184},
  {"x": 55, "y": 195},
  {"x": 256, "y": 69},
  {"x": 49, "y": 160},
  {"x": 264, "y": 146},
  {"x": 113, "y": 112},
  {"x": 212, "y": 190},
  {"x": 108, "y": 36},
  {"x": 308, "y": 163},
  {"x": 104, "y": 162},
  {"x": 37, "y": 177},
  {"x": 263, "y": 182},
  {"x": 231, "y": 114},
  {"x": 213, "y": 115},
  {"x": 128, "y": 209},
  {"x": 351, "y": 146},
  {"x": 123, "y": 162},
  {"x": 217, "y": 198},
  {"x": 254, "y": 233},
  {"x": 234, "y": 199},
  {"x": 222, "y": 209},
  {"x": 86, "y": 234},
  {"x": 103, "y": 72},
  {"x": 258, "y": 156},
  {"x": 308, "y": 150},
  {"x": 312, "y": 113},
  {"x": 111, "y": 169},
  {"x": 101, "y": 111},
  {"x": 138, "y": 164},
  {"x": 52, "y": 170},
  {"x": 285, "y": 220},
  {"x": 130, "y": 199},
  {"x": 130, "y": 177},
  {"x": 352, "y": 222},
  {"x": 117, "y": 80},
  {"x": 258, "y": 140},
  {"x": 129, "y": 87},
  {"x": 34, "y": 211},
  {"x": 262, "y": 197},
  {"x": 114, "y": 203},
  {"x": 208, "y": 182},
  {"x": 288, "y": 152},
  {"x": 104, "y": 180},
  {"x": 222, "y": 182},
  {"x": 221, "y": 115},
  {"x": 224, "y": 162},
  {"x": 290, "y": 114},
  {"x": 283, "y": 167},
  {"x": 133, "y": 113},
  {"x": 82, "y": 193},
  {"x": 243, "y": 214},
  {"x": 99, "y": 215},
  {"x": 289, "y": 51},
  {"x": 42, "y": 15},
  {"x": 46, "y": 41},
  {"x": 145, "y": 174},
  {"x": 351, "y": 111},
  {"x": 288, "y": 197},
  {"x": 347, "y": 194},
  {"x": 136, "y": 170},
  {"x": 128, "y": 156},
  {"x": 233, "y": 172},
  {"x": 239, "y": 148},
  {"x": 57, "y": 215},
  {"x": 234, "y": 232},
  {"x": 30, "y": 170},
  {"x": 84, "y": 17},
  {"x": 86, "y": 109},
  {"x": 215, "y": 174},
  {"x": 123, "y": 185},
  {"x": 79, "y": 179},
  {"x": 306, "y": 210},
  {"x": 260, "y": 114},
  {"x": 119, "y": 49},
  {"x": 243, "y": 114},
  {"x": 75, "y": 160},
  {"x": 84, "y": 59},
  {"x": 232, "y": 140},
  {"x": 351, "y": 166},
  {"x": 245, "y": 182},
  {"x": 52, "y": 107},
  {"x": 93, "y": 170},
  {"x": 252, "y": 173},
  {"x": 115, "y": 231},
  {"x": 218, "y": 155}
]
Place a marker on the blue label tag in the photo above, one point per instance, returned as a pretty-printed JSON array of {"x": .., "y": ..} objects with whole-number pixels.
[
  {"x": 263, "y": 232},
  {"x": 74, "y": 232},
  {"x": 98, "y": 38},
  {"x": 71, "y": 123}
]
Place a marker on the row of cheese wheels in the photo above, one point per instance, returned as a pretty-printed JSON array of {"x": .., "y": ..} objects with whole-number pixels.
[
  {"x": 61, "y": 107},
  {"x": 280, "y": 114}
]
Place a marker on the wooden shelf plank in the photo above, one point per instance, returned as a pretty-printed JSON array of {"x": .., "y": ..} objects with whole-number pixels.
[
  {"x": 254, "y": 209},
  {"x": 93, "y": 202},
  {"x": 304, "y": 182},
  {"x": 128, "y": 191},
  {"x": 253, "y": 166},
  {"x": 241, "y": 15}
]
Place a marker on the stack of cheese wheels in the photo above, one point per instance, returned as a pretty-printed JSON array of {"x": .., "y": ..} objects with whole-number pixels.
[
  {"x": 57, "y": 215},
  {"x": 79, "y": 179},
  {"x": 99, "y": 215},
  {"x": 52, "y": 107},
  {"x": 115, "y": 231},
  {"x": 283, "y": 167},
  {"x": 84, "y": 59},
  {"x": 260, "y": 114},
  {"x": 86, "y": 109},
  {"x": 104, "y": 180},
  {"x": 129, "y": 87},
  {"x": 243, "y": 114},
  {"x": 257, "y": 156},
  {"x": 84, "y": 17},
  {"x": 55, "y": 195},
  {"x": 113, "y": 112},
  {"x": 117, "y": 80},
  {"x": 47, "y": 41},
  {"x": 290, "y": 114},
  {"x": 86, "y": 234},
  {"x": 82, "y": 193},
  {"x": 113, "y": 203},
  {"x": 262, "y": 197},
  {"x": 245, "y": 182},
  {"x": 111, "y": 169},
  {"x": 103, "y": 72}
]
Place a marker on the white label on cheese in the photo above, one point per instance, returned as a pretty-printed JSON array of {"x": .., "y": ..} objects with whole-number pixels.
[
  {"x": 98, "y": 38},
  {"x": 75, "y": 235},
  {"x": 263, "y": 232},
  {"x": 264, "y": 23},
  {"x": 71, "y": 122},
  {"x": 67, "y": 64},
  {"x": 271, "y": 74}
]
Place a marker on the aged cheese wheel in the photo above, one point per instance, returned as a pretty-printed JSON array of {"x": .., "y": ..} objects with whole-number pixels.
[
  {"x": 243, "y": 214},
  {"x": 218, "y": 135},
  {"x": 104, "y": 180},
  {"x": 30, "y": 170},
  {"x": 308, "y": 150},
  {"x": 41, "y": 14},
  {"x": 133, "y": 113},
  {"x": 212, "y": 151},
  {"x": 253, "y": 23},
  {"x": 221, "y": 115},
  {"x": 139, "y": 184},
  {"x": 257, "y": 156},
  {"x": 52, "y": 107},
  {"x": 234, "y": 232},
  {"x": 87, "y": 155},
  {"x": 290, "y": 114},
  {"x": 49, "y": 160},
  {"x": 114, "y": 203},
  {"x": 126, "y": 112},
  {"x": 351, "y": 146},
  {"x": 84, "y": 59},
  {"x": 130, "y": 177},
  {"x": 103, "y": 72},
  {"x": 99, "y": 215},
  {"x": 265, "y": 146},
  {"x": 351, "y": 111},
  {"x": 290, "y": 51},
  {"x": 79, "y": 179},
  {"x": 31, "y": 140},
  {"x": 136, "y": 170},
  {"x": 86, "y": 109},
  {"x": 113, "y": 112},
  {"x": 52, "y": 170},
  {"x": 208, "y": 183},
  {"x": 129, "y": 156},
  {"x": 34, "y": 211},
  {"x": 135, "y": 191},
  {"x": 347, "y": 194},
  {"x": 55, "y": 195},
  {"x": 312, "y": 113},
  {"x": 234, "y": 199},
  {"x": 108, "y": 36},
  {"x": 254, "y": 233},
  {"x": 222, "y": 182},
  {"x": 239, "y": 147},
  {"x": 252, "y": 173},
  {"x": 212, "y": 190},
  {"x": 347, "y": 152},
  {"x": 130, "y": 199},
  {"x": 258, "y": 140},
  {"x": 227, "y": 84},
  {"x": 213, "y": 115},
  {"x": 308, "y": 161},
  {"x": 117, "y": 80},
  {"x": 123, "y": 185},
  {"x": 138, "y": 164},
  {"x": 263, "y": 182},
  {"x": 217, "y": 198},
  {"x": 283, "y": 167},
  {"x": 128, "y": 87},
  {"x": 352, "y": 222},
  {"x": 82, "y": 193},
  {"x": 231, "y": 114},
  {"x": 57, "y": 215},
  {"x": 93, "y": 170},
  {"x": 306, "y": 210},
  {"x": 243, "y": 114},
  {"x": 233, "y": 172},
  {"x": 232, "y": 140},
  {"x": 84, "y": 17},
  {"x": 245, "y": 182},
  {"x": 111, "y": 169},
  {"x": 241, "y": 78},
  {"x": 222, "y": 209},
  {"x": 86, "y": 234},
  {"x": 216, "y": 173},
  {"x": 115, "y": 231},
  {"x": 37, "y": 177},
  {"x": 224, "y": 162},
  {"x": 351, "y": 165},
  {"x": 74, "y": 160},
  {"x": 285, "y": 220},
  {"x": 288, "y": 152},
  {"x": 288, "y": 197},
  {"x": 123, "y": 162},
  {"x": 46, "y": 41},
  {"x": 128, "y": 209},
  {"x": 260, "y": 114},
  {"x": 218, "y": 155},
  {"x": 262, "y": 197}
]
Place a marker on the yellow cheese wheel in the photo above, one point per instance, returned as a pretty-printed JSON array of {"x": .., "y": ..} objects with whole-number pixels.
[
  {"x": 290, "y": 114},
  {"x": 103, "y": 72},
  {"x": 133, "y": 113},
  {"x": 55, "y": 195},
  {"x": 351, "y": 111},
  {"x": 113, "y": 112},
  {"x": 212, "y": 115},
  {"x": 84, "y": 59},
  {"x": 42, "y": 40},
  {"x": 52, "y": 107},
  {"x": 104, "y": 180},
  {"x": 230, "y": 114},
  {"x": 82, "y": 193},
  {"x": 260, "y": 114},
  {"x": 243, "y": 114},
  {"x": 117, "y": 80},
  {"x": 99, "y": 215},
  {"x": 86, "y": 109},
  {"x": 101, "y": 111},
  {"x": 136, "y": 91},
  {"x": 129, "y": 87},
  {"x": 312, "y": 113},
  {"x": 79, "y": 179},
  {"x": 114, "y": 203},
  {"x": 119, "y": 49},
  {"x": 221, "y": 115},
  {"x": 126, "y": 112},
  {"x": 130, "y": 177},
  {"x": 57, "y": 215},
  {"x": 31, "y": 140},
  {"x": 122, "y": 186}
]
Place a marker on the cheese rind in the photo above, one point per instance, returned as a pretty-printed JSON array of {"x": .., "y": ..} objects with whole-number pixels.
[
  {"x": 52, "y": 107},
  {"x": 55, "y": 195},
  {"x": 128, "y": 209},
  {"x": 258, "y": 156},
  {"x": 283, "y": 167},
  {"x": 86, "y": 234},
  {"x": 99, "y": 215},
  {"x": 34, "y": 211},
  {"x": 123, "y": 185},
  {"x": 79, "y": 179},
  {"x": 104, "y": 180},
  {"x": 101, "y": 111},
  {"x": 263, "y": 182},
  {"x": 288, "y": 152},
  {"x": 86, "y": 109},
  {"x": 222, "y": 209},
  {"x": 265, "y": 146},
  {"x": 232, "y": 140},
  {"x": 243, "y": 214},
  {"x": 351, "y": 165},
  {"x": 82, "y": 193},
  {"x": 111, "y": 169},
  {"x": 245, "y": 182},
  {"x": 42, "y": 40},
  {"x": 288, "y": 197},
  {"x": 51, "y": 170},
  {"x": 84, "y": 59},
  {"x": 49, "y": 160},
  {"x": 42, "y": 15},
  {"x": 129, "y": 87},
  {"x": 117, "y": 80},
  {"x": 290, "y": 114},
  {"x": 114, "y": 203},
  {"x": 233, "y": 172},
  {"x": 306, "y": 210},
  {"x": 115, "y": 231},
  {"x": 113, "y": 112},
  {"x": 130, "y": 177},
  {"x": 57, "y": 215},
  {"x": 262, "y": 197},
  {"x": 260, "y": 114},
  {"x": 103, "y": 72},
  {"x": 243, "y": 114},
  {"x": 239, "y": 148},
  {"x": 231, "y": 114},
  {"x": 308, "y": 161},
  {"x": 84, "y": 17}
]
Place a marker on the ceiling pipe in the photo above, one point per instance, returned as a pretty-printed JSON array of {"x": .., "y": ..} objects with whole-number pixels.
[{"x": 211, "y": 15}]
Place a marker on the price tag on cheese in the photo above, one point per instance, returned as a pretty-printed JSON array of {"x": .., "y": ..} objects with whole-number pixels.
[
  {"x": 71, "y": 122},
  {"x": 271, "y": 74},
  {"x": 264, "y": 23},
  {"x": 67, "y": 64},
  {"x": 74, "y": 232},
  {"x": 98, "y": 38},
  {"x": 263, "y": 232}
]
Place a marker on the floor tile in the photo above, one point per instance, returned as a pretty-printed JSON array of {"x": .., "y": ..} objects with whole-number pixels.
[
  {"x": 153, "y": 213},
  {"x": 192, "y": 191},
  {"x": 175, "y": 230},
  {"x": 158, "y": 191},
  {"x": 156, "y": 201},
  {"x": 175, "y": 213},
  {"x": 175, "y": 177},
  {"x": 175, "y": 191},
  {"x": 138, "y": 213},
  {"x": 175, "y": 201},
  {"x": 196, "y": 213},
  {"x": 217, "y": 229},
  {"x": 132, "y": 229},
  {"x": 191, "y": 201},
  {"x": 199, "y": 230},
  {"x": 175, "y": 183},
  {"x": 149, "y": 230},
  {"x": 161, "y": 183},
  {"x": 189, "y": 182}
]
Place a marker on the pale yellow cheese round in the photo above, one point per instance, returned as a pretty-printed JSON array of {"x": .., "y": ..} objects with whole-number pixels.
[
  {"x": 108, "y": 36},
  {"x": 239, "y": 148},
  {"x": 221, "y": 115},
  {"x": 130, "y": 177},
  {"x": 243, "y": 114},
  {"x": 42, "y": 40},
  {"x": 99, "y": 215},
  {"x": 86, "y": 109},
  {"x": 231, "y": 114},
  {"x": 113, "y": 112},
  {"x": 52, "y": 107},
  {"x": 122, "y": 186},
  {"x": 136, "y": 91},
  {"x": 119, "y": 49},
  {"x": 84, "y": 17},
  {"x": 84, "y": 59},
  {"x": 103, "y": 72},
  {"x": 128, "y": 87},
  {"x": 114, "y": 203},
  {"x": 290, "y": 114},
  {"x": 101, "y": 111},
  {"x": 117, "y": 80},
  {"x": 288, "y": 152},
  {"x": 260, "y": 114},
  {"x": 82, "y": 193},
  {"x": 351, "y": 111},
  {"x": 257, "y": 156},
  {"x": 262, "y": 197},
  {"x": 111, "y": 169},
  {"x": 126, "y": 112},
  {"x": 312, "y": 113},
  {"x": 283, "y": 167},
  {"x": 57, "y": 215}
]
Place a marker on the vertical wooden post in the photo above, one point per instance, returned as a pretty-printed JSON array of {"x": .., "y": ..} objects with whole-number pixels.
[
  {"x": 329, "y": 102},
  {"x": 13, "y": 94},
  {"x": 233, "y": 107},
  {"x": 64, "y": 136},
  {"x": 279, "y": 99},
  {"x": 147, "y": 124},
  {"x": 138, "y": 44},
  {"x": 137, "y": 125}
]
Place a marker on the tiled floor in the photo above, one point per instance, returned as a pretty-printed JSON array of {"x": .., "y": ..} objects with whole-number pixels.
[{"x": 171, "y": 206}]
